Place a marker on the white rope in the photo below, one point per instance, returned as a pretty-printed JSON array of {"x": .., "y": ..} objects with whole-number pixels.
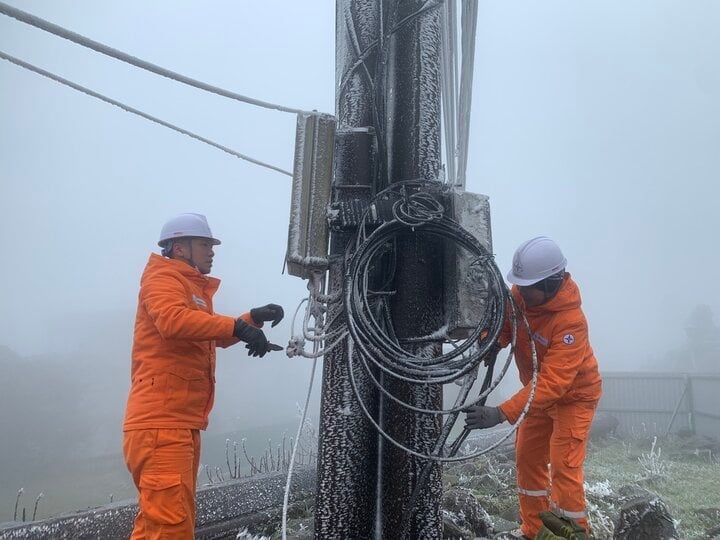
[
  {"x": 137, "y": 112},
  {"x": 59, "y": 31},
  {"x": 319, "y": 333},
  {"x": 316, "y": 285},
  {"x": 288, "y": 482}
]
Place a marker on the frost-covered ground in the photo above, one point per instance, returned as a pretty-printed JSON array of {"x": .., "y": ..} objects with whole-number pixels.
[
  {"x": 683, "y": 471},
  {"x": 480, "y": 496}
]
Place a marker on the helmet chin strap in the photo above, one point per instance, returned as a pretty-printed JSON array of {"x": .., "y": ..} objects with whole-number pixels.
[
  {"x": 188, "y": 260},
  {"x": 191, "y": 260}
]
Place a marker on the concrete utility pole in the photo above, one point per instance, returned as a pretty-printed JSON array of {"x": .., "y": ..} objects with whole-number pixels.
[
  {"x": 413, "y": 152},
  {"x": 388, "y": 130},
  {"x": 347, "y": 448}
]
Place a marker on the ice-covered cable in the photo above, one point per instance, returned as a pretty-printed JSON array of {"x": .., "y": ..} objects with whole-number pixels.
[
  {"x": 469, "y": 31},
  {"x": 456, "y": 105},
  {"x": 320, "y": 332},
  {"x": 448, "y": 78},
  {"x": 137, "y": 112},
  {"x": 415, "y": 209},
  {"x": 375, "y": 345},
  {"x": 59, "y": 31},
  {"x": 452, "y": 458}
]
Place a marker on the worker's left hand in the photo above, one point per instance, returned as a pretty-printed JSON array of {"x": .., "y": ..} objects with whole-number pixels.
[
  {"x": 270, "y": 312},
  {"x": 481, "y": 417},
  {"x": 262, "y": 350}
]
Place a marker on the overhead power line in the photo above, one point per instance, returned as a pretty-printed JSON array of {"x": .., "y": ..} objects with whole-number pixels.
[
  {"x": 59, "y": 31},
  {"x": 132, "y": 110},
  {"x": 457, "y": 97},
  {"x": 469, "y": 31}
]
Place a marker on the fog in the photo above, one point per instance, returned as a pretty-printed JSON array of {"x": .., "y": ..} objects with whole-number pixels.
[{"x": 597, "y": 124}]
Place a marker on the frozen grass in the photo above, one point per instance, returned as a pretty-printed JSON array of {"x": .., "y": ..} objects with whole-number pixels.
[
  {"x": 687, "y": 479},
  {"x": 688, "y": 483}
]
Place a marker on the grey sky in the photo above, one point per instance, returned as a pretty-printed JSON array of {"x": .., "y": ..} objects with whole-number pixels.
[{"x": 596, "y": 123}]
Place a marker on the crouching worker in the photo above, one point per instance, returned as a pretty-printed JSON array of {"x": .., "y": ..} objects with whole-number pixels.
[
  {"x": 173, "y": 374},
  {"x": 557, "y": 426}
]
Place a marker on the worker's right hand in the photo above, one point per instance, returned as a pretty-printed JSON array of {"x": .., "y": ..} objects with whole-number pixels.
[
  {"x": 482, "y": 417},
  {"x": 269, "y": 312},
  {"x": 257, "y": 343}
]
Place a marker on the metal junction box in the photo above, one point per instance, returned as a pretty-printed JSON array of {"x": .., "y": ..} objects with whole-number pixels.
[
  {"x": 466, "y": 288},
  {"x": 311, "y": 191}
]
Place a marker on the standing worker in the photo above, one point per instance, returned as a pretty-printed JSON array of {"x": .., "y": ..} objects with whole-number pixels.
[
  {"x": 557, "y": 426},
  {"x": 173, "y": 374}
]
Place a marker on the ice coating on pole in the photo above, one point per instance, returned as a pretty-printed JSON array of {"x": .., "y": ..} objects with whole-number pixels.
[
  {"x": 347, "y": 446},
  {"x": 414, "y": 153}
]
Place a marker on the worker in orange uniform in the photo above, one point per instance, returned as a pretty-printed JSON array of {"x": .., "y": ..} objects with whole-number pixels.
[
  {"x": 173, "y": 374},
  {"x": 556, "y": 428}
]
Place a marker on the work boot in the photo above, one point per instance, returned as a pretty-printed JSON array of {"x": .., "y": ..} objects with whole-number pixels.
[{"x": 559, "y": 527}]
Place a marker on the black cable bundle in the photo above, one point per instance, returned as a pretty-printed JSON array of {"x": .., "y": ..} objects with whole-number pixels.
[{"x": 418, "y": 210}]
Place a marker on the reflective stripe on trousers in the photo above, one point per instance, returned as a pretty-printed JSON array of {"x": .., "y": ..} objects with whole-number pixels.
[
  {"x": 533, "y": 492},
  {"x": 557, "y": 436},
  {"x": 567, "y": 513}
]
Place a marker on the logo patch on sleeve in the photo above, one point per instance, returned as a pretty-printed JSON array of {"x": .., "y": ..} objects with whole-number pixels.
[{"x": 568, "y": 339}]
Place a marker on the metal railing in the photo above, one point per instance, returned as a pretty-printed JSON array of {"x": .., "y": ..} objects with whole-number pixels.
[{"x": 662, "y": 403}]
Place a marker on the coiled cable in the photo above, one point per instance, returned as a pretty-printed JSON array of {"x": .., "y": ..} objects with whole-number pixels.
[{"x": 416, "y": 210}]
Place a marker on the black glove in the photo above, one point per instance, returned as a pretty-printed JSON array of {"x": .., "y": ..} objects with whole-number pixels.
[
  {"x": 257, "y": 343},
  {"x": 481, "y": 417},
  {"x": 270, "y": 312},
  {"x": 255, "y": 351},
  {"x": 270, "y": 347}
]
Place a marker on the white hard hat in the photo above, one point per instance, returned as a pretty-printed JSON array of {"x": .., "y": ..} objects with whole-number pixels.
[
  {"x": 535, "y": 260},
  {"x": 185, "y": 225}
]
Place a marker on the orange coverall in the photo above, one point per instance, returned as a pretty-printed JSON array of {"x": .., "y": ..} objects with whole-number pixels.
[
  {"x": 172, "y": 392},
  {"x": 556, "y": 428}
]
